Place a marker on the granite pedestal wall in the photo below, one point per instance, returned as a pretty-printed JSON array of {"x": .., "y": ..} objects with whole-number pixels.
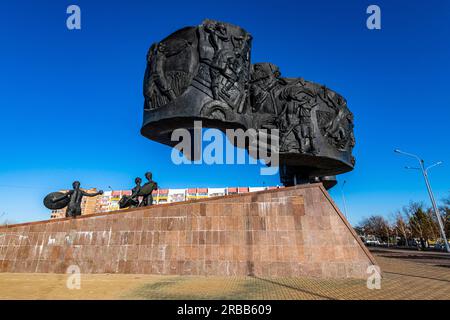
[{"x": 295, "y": 231}]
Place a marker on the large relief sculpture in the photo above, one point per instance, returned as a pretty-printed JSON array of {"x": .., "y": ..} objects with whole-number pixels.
[{"x": 204, "y": 73}]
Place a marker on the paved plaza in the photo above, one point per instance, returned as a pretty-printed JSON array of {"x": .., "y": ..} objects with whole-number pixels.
[{"x": 406, "y": 275}]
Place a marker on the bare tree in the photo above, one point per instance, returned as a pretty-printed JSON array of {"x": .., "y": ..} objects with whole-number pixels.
[
  {"x": 401, "y": 226},
  {"x": 421, "y": 223},
  {"x": 433, "y": 224},
  {"x": 445, "y": 214},
  {"x": 376, "y": 225},
  {"x": 409, "y": 211}
]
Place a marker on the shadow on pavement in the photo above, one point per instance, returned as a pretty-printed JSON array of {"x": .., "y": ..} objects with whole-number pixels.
[
  {"x": 414, "y": 276},
  {"x": 294, "y": 288}
]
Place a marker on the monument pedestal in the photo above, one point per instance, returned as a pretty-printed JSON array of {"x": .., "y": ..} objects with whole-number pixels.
[{"x": 295, "y": 231}]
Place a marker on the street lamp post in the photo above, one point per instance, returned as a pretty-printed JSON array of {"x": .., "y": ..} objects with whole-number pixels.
[
  {"x": 430, "y": 192},
  {"x": 2, "y": 215},
  {"x": 343, "y": 198}
]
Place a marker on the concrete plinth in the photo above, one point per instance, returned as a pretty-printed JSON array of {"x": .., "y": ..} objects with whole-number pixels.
[{"x": 295, "y": 231}]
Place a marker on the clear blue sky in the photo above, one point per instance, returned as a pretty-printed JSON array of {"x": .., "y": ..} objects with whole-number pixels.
[{"x": 71, "y": 101}]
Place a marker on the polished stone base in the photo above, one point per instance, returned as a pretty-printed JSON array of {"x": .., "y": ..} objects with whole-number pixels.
[{"x": 295, "y": 231}]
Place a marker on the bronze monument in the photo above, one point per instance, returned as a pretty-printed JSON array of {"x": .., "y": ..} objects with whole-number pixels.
[{"x": 204, "y": 73}]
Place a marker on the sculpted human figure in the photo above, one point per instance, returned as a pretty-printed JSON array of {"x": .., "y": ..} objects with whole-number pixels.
[
  {"x": 159, "y": 55},
  {"x": 161, "y": 85},
  {"x": 218, "y": 33},
  {"x": 334, "y": 128},
  {"x": 134, "y": 198},
  {"x": 132, "y": 201},
  {"x": 225, "y": 70},
  {"x": 227, "y": 55},
  {"x": 265, "y": 86},
  {"x": 75, "y": 196},
  {"x": 147, "y": 189},
  {"x": 299, "y": 103},
  {"x": 307, "y": 129}
]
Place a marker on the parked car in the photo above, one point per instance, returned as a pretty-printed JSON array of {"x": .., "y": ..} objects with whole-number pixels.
[
  {"x": 372, "y": 242},
  {"x": 439, "y": 245}
]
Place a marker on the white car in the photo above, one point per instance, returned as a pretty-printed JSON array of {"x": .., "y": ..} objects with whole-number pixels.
[{"x": 372, "y": 242}]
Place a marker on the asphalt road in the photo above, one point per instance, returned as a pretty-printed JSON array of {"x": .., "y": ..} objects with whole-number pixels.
[{"x": 438, "y": 259}]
